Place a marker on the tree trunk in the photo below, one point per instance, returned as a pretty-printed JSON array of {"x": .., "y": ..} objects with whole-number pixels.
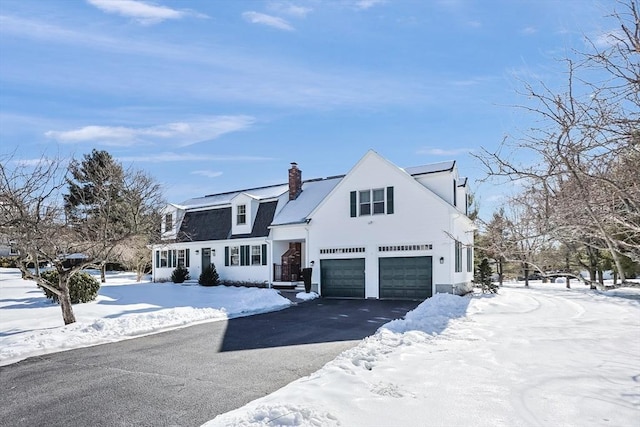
[
  {"x": 615, "y": 277},
  {"x": 103, "y": 273},
  {"x": 65, "y": 300},
  {"x": 526, "y": 275},
  {"x": 568, "y": 280},
  {"x": 500, "y": 273},
  {"x": 600, "y": 276}
]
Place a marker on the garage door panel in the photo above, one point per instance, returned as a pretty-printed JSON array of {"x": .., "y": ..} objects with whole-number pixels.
[
  {"x": 342, "y": 278},
  {"x": 405, "y": 277}
]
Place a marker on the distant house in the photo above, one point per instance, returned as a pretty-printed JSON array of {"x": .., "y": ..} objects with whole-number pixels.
[{"x": 379, "y": 231}]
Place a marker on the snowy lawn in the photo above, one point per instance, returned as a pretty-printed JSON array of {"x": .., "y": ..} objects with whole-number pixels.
[
  {"x": 543, "y": 356},
  {"x": 31, "y": 325}
]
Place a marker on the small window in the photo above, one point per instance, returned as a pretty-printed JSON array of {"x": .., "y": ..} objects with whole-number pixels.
[
  {"x": 455, "y": 193},
  {"x": 256, "y": 255},
  {"x": 365, "y": 202},
  {"x": 241, "y": 217},
  {"x": 378, "y": 201},
  {"x": 12, "y": 249},
  {"x": 181, "y": 258},
  {"x": 458, "y": 257},
  {"x": 168, "y": 222},
  {"x": 164, "y": 256},
  {"x": 235, "y": 255}
]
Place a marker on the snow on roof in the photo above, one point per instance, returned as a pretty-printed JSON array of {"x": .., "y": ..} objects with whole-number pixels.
[
  {"x": 261, "y": 193},
  {"x": 431, "y": 168},
  {"x": 313, "y": 192}
]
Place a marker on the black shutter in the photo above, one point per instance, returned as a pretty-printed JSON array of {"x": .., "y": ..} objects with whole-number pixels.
[
  {"x": 186, "y": 257},
  {"x": 243, "y": 255},
  {"x": 175, "y": 258},
  {"x": 157, "y": 259},
  {"x": 354, "y": 205},
  {"x": 389, "y": 200},
  {"x": 226, "y": 256},
  {"x": 247, "y": 255},
  {"x": 264, "y": 254}
]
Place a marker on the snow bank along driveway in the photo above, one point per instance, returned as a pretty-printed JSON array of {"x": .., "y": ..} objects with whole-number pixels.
[
  {"x": 545, "y": 356},
  {"x": 31, "y": 325}
]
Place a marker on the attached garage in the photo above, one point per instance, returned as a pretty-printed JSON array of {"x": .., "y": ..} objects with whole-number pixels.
[
  {"x": 405, "y": 277},
  {"x": 342, "y": 278}
]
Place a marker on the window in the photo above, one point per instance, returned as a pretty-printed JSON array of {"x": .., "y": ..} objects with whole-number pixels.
[
  {"x": 235, "y": 255},
  {"x": 455, "y": 193},
  {"x": 378, "y": 201},
  {"x": 245, "y": 255},
  {"x": 256, "y": 255},
  {"x": 241, "y": 216},
  {"x": 168, "y": 222},
  {"x": 181, "y": 258},
  {"x": 458, "y": 257},
  {"x": 12, "y": 249},
  {"x": 469, "y": 259},
  {"x": 368, "y": 202},
  {"x": 164, "y": 256},
  {"x": 365, "y": 202}
]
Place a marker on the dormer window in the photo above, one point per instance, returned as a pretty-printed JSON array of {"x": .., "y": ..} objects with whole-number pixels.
[
  {"x": 168, "y": 222},
  {"x": 241, "y": 215}
]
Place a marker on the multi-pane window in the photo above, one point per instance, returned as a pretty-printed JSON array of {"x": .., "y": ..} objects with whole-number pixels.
[
  {"x": 469, "y": 259},
  {"x": 365, "y": 202},
  {"x": 256, "y": 255},
  {"x": 235, "y": 255},
  {"x": 458, "y": 257},
  {"x": 168, "y": 222},
  {"x": 378, "y": 201},
  {"x": 241, "y": 216},
  {"x": 164, "y": 258},
  {"x": 172, "y": 258},
  {"x": 181, "y": 258},
  {"x": 245, "y": 255}
]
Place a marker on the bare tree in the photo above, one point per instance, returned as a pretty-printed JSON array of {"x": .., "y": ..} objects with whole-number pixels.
[
  {"x": 583, "y": 177},
  {"x": 33, "y": 215}
]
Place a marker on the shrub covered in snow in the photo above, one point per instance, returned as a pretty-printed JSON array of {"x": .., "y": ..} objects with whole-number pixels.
[
  {"x": 209, "y": 277},
  {"x": 82, "y": 286},
  {"x": 180, "y": 274}
]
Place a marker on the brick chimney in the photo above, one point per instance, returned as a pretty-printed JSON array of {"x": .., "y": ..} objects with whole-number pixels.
[{"x": 295, "y": 181}]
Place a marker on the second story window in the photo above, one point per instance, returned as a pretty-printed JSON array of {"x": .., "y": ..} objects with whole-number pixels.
[
  {"x": 168, "y": 222},
  {"x": 241, "y": 216}
]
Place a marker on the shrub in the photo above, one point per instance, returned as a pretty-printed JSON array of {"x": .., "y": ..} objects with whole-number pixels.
[
  {"x": 82, "y": 286},
  {"x": 209, "y": 276},
  {"x": 483, "y": 277},
  {"x": 180, "y": 274}
]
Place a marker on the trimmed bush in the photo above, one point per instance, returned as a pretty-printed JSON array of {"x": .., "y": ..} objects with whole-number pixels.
[
  {"x": 483, "y": 277},
  {"x": 209, "y": 276},
  {"x": 180, "y": 274},
  {"x": 82, "y": 286}
]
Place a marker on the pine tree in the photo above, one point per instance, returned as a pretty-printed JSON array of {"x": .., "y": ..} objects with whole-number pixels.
[{"x": 483, "y": 277}]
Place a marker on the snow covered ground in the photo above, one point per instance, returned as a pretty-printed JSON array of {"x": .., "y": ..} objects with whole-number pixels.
[
  {"x": 31, "y": 325},
  {"x": 543, "y": 356}
]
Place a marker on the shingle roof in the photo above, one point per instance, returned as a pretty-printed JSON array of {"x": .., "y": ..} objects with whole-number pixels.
[
  {"x": 264, "y": 217},
  {"x": 212, "y": 224},
  {"x": 260, "y": 193},
  {"x": 313, "y": 192}
]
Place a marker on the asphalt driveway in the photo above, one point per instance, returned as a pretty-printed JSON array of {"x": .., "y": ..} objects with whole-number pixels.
[{"x": 188, "y": 376}]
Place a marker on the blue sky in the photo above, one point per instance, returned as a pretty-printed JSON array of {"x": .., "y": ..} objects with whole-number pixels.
[{"x": 212, "y": 96}]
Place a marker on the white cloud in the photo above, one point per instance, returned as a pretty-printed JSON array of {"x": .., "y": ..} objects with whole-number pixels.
[
  {"x": 367, "y": 4},
  {"x": 191, "y": 157},
  {"x": 443, "y": 152},
  {"x": 207, "y": 173},
  {"x": 527, "y": 31},
  {"x": 290, "y": 9},
  {"x": 608, "y": 39},
  {"x": 144, "y": 13},
  {"x": 264, "y": 19},
  {"x": 179, "y": 133}
]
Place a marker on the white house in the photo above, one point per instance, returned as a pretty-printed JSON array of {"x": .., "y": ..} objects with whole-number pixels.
[{"x": 379, "y": 231}]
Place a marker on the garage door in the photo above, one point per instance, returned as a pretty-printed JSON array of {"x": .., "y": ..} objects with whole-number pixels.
[
  {"x": 343, "y": 278},
  {"x": 405, "y": 278}
]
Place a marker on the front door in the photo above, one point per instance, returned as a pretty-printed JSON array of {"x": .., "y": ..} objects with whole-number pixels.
[{"x": 206, "y": 258}]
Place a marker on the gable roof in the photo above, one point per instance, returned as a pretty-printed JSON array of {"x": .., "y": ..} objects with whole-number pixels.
[
  {"x": 264, "y": 217},
  {"x": 313, "y": 192},
  {"x": 431, "y": 168}
]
